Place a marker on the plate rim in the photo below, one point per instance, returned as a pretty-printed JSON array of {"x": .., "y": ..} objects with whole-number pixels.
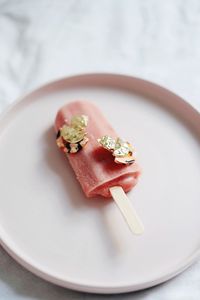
[{"x": 75, "y": 285}]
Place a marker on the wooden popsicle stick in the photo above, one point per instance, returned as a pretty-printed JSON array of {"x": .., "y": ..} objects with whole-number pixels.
[{"x": 127, "y": 210}]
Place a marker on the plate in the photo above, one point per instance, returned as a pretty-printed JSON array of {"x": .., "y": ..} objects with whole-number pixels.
[{"x": 47, "y": 224}]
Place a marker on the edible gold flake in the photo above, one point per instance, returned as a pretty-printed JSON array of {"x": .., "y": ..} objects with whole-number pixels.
[
  {"x": 74, "y": 148},
  {"x": 59, "y": 142},
  {"x": 79, "y": 122},
  {"x": 72, "y": 135},
  {"x": 121, "y": 150},
  {"x": 107, "y": 142},
  {"x": 126, "y": 160},
  {"x": 71, "y": 138}
]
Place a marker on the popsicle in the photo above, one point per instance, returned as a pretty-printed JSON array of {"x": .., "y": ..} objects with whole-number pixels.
[{"x": 95, "y": 167}]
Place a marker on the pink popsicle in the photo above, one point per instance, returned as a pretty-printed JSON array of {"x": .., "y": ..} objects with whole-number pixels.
[{"x": 94, "y": 166}]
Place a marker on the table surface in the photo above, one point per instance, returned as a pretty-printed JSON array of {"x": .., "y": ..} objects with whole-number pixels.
[{"x": 45, "y": 40}]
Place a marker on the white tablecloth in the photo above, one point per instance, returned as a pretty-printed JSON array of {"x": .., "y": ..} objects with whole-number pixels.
[{"x": 41, "y": 40}]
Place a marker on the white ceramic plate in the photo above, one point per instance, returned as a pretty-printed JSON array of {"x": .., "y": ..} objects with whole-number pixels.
[{"x": 48, "y": 225}]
